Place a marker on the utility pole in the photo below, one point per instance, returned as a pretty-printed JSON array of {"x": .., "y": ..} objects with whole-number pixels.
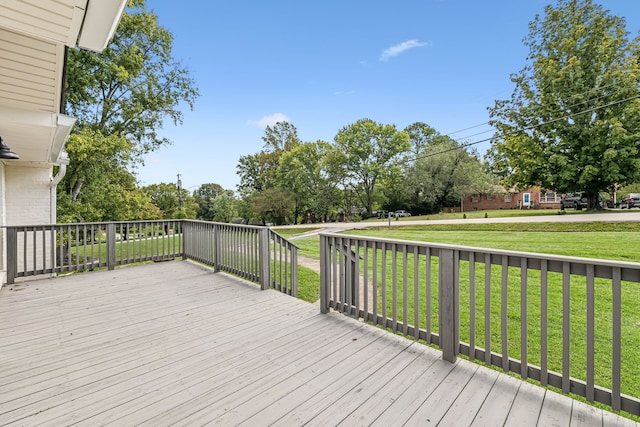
[{"x": 179, "y": 194}]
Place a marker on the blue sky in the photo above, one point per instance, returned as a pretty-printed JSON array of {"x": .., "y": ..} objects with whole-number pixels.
[{"x": 323, "y": 65}]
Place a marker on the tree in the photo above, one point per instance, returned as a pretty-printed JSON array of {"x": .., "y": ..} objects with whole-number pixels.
[
  {"x": 572, "y": 123},
  {"x": 365, "y": 150},
  {"x": 273, "y": 204},
  {"x": 121, "y": 97},
  {"x": 443, "y": 175},
  {"x": 258, "y": 171},
  {"x": 173, "y": 203},
  {"x": 97, "y": 158},
  {"x": 252, "y": 170},
  {"x": 302, "y": 171},
  {"x": 420, "y": 134},
  {"x": 282, "y": 137},
  {"x": 204, "y": 197},
  {"x": 224, "y": 207},
  {"x": 133, "y": 85}
]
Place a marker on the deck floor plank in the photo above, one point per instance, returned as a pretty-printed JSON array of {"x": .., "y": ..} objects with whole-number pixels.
[
  {"x": 175, "y": 344},
  {"x": 526, "y": 406}
]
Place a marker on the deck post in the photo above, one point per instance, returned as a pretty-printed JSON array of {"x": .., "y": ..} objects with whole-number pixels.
[
  {"x": 264, "y": 257},
  {"x": 185, "y": 229},
  {"x": 324, "y": 274},
  {"x": 449, "y": 303},
  {"x": 216, "y": 247},
  {"x": 111, "y": 245},
  {"x": 12, "y": 254}
]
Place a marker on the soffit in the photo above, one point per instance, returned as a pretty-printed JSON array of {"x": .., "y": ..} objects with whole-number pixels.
[{"x": 33, "y": 36}]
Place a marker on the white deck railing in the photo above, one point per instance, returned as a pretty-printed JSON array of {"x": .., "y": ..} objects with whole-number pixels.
[
  {"x": 255, "y": 253},
  {"x": 557, "y": 320}
]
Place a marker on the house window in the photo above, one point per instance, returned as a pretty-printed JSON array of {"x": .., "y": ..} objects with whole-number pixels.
[
  {"x": 475, "y": 198},
  {"x": 489, "y": 196},
  {"x": 549, "y": 198},
  {"x": 507, "y": 198}
]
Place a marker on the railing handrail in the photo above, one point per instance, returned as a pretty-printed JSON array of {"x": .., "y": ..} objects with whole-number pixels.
[
  {"x": 65, "y": 224},
  {"x": 501, "y": 252}
]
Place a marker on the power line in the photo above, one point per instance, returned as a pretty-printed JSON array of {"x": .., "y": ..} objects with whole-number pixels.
[
  {"x": 461, "y": 146},
  {"x": 554, "y": 112}
]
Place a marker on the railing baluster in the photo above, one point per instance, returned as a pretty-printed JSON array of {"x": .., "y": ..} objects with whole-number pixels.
[
  {"x": 405, "y": 291},
  {"x": 544, "y": 331},
  {"x": 394, "y": 289},
  {"x": 35, "y": 247},
  {"x": 335, "y": 260},
  {"x": 356, "y": 276},
  {"x": 472, "y": 305},
  {"x": 524, "y": 322},
  {"x": 566, "y": 327},
  {"x": 427, "y": 309},
  {"x": 384, "y": 283},
  {"x": 487, "y": 308},
  {"x": 25, "y": 259},
  {"x": 365, "y": 278},
  {"x": 374, "y": 279},
  {"x": 416, "y": 292},
  {"x": 503, "y": 312},
  {"x": 616, "y": 339},
  {"x": 590, "y": 333}
]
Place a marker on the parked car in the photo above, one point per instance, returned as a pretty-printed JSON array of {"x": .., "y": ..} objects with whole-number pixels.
[
  {"x": 630, "y": 201},
  {"x": 576, "y": 201},
  {"x": 379, "y": 214},
  {"x": 401, "y": 212}
]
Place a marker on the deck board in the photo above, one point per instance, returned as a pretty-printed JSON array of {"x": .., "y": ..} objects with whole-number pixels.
[{"x": 175, "y": 344}]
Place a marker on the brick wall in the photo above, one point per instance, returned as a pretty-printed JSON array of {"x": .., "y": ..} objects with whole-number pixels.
[
  {"x": 27, "y": 196},
  {"x": 483, "y": 202},
  {"x": 27, "y": 201}
]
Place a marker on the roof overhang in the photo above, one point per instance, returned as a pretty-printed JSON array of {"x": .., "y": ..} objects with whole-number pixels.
[
  {"x": 100, "y": 23},
  {"x": 33, "y": 41}
]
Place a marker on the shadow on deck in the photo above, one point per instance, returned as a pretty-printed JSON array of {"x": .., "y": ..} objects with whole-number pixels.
[{"x": 173, "y": 343}]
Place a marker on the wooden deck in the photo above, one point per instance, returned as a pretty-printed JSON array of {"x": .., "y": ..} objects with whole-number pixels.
[{"x": 175, "y": 344}]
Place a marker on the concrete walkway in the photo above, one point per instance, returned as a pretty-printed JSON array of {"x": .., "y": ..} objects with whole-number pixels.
[{"x": 605, "y": 216}]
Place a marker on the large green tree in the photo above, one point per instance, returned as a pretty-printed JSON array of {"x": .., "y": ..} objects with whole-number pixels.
[
  {"x": 364, "y": 151},
  {"x": 258, "y": 171},
  {"x": 173, "y": 202},
  {"x": 273, "y": 204},
  {"x": 121, "y": 97},
  {"x": 204, "y": 197},
  {"x": 420, "y": 135},
  {"x": 442, "y": 175},
  {"x": 573, "y": 121},
  {"x": 302, "y": 171}
]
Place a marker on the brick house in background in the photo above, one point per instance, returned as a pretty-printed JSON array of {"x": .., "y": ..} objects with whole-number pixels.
[{"x": 501, "y": 198}]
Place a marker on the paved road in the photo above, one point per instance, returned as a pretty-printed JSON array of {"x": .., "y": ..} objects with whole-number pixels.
[{"x": 607, "y": 216}]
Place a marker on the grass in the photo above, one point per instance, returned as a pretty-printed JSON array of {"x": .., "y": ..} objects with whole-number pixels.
[
  {"x": 308, "y": 285},
  {"x": 129, "y": 249},
  {"x": 616, "y": 241}
]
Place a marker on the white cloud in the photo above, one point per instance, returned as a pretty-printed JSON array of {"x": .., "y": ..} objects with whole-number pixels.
[
  {"x": 402, "y": 47},
  {"x": 269, "y": 120}
]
